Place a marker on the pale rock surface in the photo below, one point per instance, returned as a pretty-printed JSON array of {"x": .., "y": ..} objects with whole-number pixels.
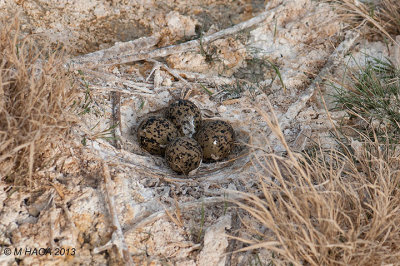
[
  {"x": 215, "y": 243},
  {"x": 180, "y": 25}
]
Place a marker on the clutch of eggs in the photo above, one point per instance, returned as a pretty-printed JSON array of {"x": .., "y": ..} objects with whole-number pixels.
[{"x": 184, "y": 139}]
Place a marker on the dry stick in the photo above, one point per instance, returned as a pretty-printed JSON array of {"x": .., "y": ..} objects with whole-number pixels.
[
  {"x": 67, "y": 215},
  {"x": 204, "y": 78},
  {"x": 396, "y": 53},
  {"x": 301, "y": 140},
  {"x": 99, "y": 89},
  {"x": 116, "y": 117},
  {"x": 78, "y": 63},
  {"x": 365, "y": 14},
  {"x": 51, "y": 216},
  {"x": 114, "y": 78},
  {"x": 123, "y": 157},
  {"x": 185, "y": 93},
  {"x": 94, "y": 59},
  {"x": 156, "y": 66},
  {"x": 187, "y": 205},
  {"x": 232, "y": 243},
  {"x": 117, "y": 238},
  {"x": 294, "y": 109}
]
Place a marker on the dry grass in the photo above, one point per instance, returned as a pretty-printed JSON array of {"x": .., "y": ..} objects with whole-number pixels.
[
  {"x": 332, "y": 208},
  {"x": 339, "y": 206},
  {"x": 381, "y": 19},
  {"x": 35, "y": 93}
]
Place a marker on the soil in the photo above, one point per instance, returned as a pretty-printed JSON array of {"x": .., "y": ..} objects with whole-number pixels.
[{"x": 231, "y": 79}]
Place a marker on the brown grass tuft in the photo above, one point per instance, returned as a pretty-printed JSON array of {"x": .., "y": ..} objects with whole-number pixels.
[
  {"x": 382, "y": 19},
  {"x": 35, "y": 93},
  {"x": 331, "y": 208}
]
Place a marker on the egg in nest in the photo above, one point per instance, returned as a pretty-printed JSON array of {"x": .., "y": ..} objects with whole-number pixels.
[
  {"x": 183, "y": 155},
  {"x": 185, "y": 115},
  {"x": 154, "y": 133},
  {"x": 216, "y": 139}
]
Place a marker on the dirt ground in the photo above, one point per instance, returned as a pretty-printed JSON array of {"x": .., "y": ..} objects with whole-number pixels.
[{"x": 230, "y": 78}]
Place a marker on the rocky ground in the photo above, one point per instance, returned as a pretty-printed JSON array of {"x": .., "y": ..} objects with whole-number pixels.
[{"x": 230, "y": 78}]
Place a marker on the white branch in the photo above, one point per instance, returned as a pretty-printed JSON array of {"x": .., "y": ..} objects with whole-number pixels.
[
  {"x": 295, "y": 108},
  {"x": 113, "y": 78},
  {"x": 103, "y": 58},
  {"x": 117, "y": 238}
]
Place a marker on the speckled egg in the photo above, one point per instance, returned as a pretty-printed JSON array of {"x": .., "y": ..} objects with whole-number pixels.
[
  {"x": 216, "y": 138},
  {"x": 154, "y": 133},
  {"x": 183, "y": 155},
  {"x": 185, "y": 115}
]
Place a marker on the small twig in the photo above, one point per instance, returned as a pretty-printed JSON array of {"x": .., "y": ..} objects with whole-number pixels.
[
  {"x": 177, "y": 219},
  {"x": 396, "y": 53},
  {"x": 113, "y": 78},
  {"x": 155, "y": 67},
  {"x": 187, "y": 205},
  {"x": 116, "y": 117},
  {"x": 136, "y": 55},
  {"x": 67, "y": 214},
  {"x": 52, "y": 244},
  {"x": 117, "y": 238},
  {"x": 246, "y": 256},
  {"x": 175, "y": 74},
  {"x": 232, "y": 242},
  {"x": 97, "y": 89},
  {"x": 121, "y": 48},
  {"x": 204, "y": 78},
  {"x": 301, "y": 140},
  {"x": 296, "y": 107}
]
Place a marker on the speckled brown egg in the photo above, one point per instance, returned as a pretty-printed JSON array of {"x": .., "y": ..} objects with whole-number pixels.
[
  {"x": 216, "y": 138},
  {"x": 154, "y": 133},
  {"x": 185, "y": 115},
  {"x": 183, "y": 155}
]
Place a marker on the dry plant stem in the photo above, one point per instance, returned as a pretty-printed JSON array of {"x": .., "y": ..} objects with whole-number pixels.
[
  {"x": 232, "y": 243},
  {"x": 187, "y": 205},
  {"x": 318, "y": 243},
  {"x": 13, "y": 151},
  {"x": 273, "y": 124},
  {"x": 31, "y": 160},
  {"x": 99, "y": 89},
  {"x": 301, "y": 139},
  {"x": 67, "y": 214},
  {"x": 246, "y": 257},
  {"x": 362, "y": 10},
  {"x": 95, "y": 59},
  {"x": 116, "y": 117},
  {"x": 346, "y": 151},
  {"x": 100, "y": 58},
  {"x": 340, "y": 51},
  {"x": 185, "y": 93},
  {"x": 113, "y": 78},
  {"x": 125, "y": 159},
  {"x": 117, "y": 238},
  {"x": 53, "y": 206},
  {"x": 156, "y": 66},
  {"x": 35, "y": 100},
  {"x": 396, "y": 53},
  {"x": 208, "y": 79}
]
